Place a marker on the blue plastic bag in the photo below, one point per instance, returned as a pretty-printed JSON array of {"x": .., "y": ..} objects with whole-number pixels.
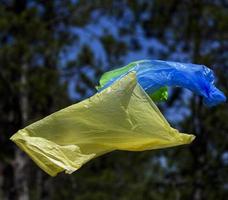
[{"x": 155, "y": 74}]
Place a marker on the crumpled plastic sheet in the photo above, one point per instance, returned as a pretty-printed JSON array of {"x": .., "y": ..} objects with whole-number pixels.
[
  {"x": 121, "y": 117},
  {"x": 153, "y": 75}
]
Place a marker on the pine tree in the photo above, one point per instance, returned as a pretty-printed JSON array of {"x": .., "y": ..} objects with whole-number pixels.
[
  {"x": 47, "y": 47},
  {"x": 32, "y": 37}
]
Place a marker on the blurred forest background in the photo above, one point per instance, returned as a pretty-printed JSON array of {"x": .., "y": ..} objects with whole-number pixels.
[{"x": 52, "y": 54}]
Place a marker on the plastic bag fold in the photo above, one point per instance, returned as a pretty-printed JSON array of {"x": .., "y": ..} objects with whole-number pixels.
[
  {"x": 121, "y": 117},
  {"x": 154, "y": 75},
  {"x": 160, "y": 94}
]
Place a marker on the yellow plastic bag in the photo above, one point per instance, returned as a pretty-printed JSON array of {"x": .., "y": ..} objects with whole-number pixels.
[{"x": 121, "y": 117}]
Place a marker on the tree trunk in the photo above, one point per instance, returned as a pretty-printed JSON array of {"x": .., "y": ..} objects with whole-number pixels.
[{"x": 21, "y": 170}]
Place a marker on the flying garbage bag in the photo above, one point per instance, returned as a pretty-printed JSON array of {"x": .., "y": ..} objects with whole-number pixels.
[
  {"x": 121, "y": 117},
  {"x": 154, "y": 75},
  {"x": 108, "y": 78}
]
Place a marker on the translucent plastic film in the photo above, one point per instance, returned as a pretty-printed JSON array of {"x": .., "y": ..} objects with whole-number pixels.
[
  {"x": 153, "y": 75},
  {"x": 121, "y": 117},
  {"x": 108, "y": 78}
]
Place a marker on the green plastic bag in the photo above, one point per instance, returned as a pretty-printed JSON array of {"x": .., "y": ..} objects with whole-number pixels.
[
  {"x": 160, "y": 94},
  {"x": 121, "y": 117}
]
